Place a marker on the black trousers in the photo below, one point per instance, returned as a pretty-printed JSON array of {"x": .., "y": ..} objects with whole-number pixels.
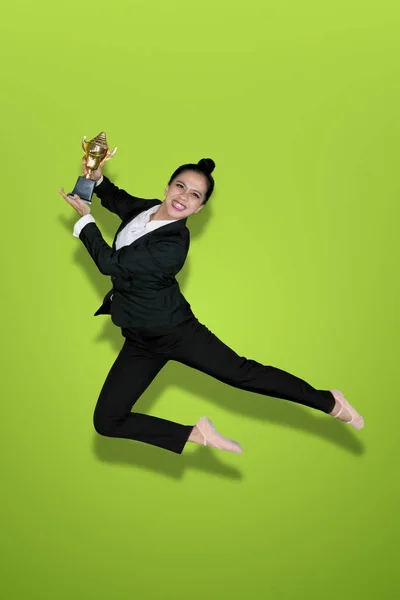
[{"x": 144, "y": 354}]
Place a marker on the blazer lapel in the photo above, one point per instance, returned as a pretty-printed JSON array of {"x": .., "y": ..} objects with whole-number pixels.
[{"x": 132, "y": 215}]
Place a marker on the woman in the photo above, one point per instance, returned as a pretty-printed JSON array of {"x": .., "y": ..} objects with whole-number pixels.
[{"x": 149, "y": 249}]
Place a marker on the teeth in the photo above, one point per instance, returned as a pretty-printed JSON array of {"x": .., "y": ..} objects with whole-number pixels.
[{"x": 178, "y": 205}]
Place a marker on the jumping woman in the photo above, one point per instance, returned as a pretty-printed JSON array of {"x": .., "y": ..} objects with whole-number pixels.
[{"x": 149, "y": 249}]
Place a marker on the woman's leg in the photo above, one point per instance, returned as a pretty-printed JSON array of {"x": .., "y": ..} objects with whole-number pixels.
[
  {"x": 128, "y": 378},
  {"x": 201, "y": 349}
]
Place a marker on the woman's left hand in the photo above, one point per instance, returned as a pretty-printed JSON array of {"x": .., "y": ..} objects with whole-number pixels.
[{"x": 79, "y": 205}]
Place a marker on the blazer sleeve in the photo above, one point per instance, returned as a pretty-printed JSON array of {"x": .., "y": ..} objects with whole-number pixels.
[
  {"x": 162, "y": 255},
  {"x": 116, "y": 200}
]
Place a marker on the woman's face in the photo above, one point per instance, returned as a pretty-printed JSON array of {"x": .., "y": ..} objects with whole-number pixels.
[{"x": 185, "y": 195}]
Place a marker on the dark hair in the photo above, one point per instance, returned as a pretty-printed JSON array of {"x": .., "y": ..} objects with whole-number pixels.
[{"x": 205, "y": 167}]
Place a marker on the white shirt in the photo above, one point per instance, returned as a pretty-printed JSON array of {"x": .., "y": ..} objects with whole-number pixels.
[{"x": 139, "y": 226}]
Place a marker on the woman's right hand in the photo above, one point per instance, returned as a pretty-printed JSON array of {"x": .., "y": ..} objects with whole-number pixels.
[{"x": 95, "y": 175}]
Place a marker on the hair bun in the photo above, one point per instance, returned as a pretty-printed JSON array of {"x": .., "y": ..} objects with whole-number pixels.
[{"x": 207, "y": 165}]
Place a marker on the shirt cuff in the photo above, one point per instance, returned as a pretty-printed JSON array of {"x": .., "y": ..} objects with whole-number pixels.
[
  {"x": 79, "y": 225},
  {"x": 99, "y": 181}
]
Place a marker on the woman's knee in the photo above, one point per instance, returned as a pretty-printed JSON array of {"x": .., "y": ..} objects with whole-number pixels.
[
  {"x": 248, "y": 374},
  {"x": 104, "y": 425}
]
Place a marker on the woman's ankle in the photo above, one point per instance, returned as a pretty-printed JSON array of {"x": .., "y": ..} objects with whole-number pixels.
[{"x": 195, "y": 436}]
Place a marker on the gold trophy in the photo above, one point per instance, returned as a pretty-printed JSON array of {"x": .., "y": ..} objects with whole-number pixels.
[{"x": 96, "y": 151}]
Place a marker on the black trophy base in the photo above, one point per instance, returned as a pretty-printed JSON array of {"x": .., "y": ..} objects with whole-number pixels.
[{"x": 84, "y": 189}]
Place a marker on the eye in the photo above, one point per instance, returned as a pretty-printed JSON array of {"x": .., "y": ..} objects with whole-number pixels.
[
  {"x": 196, "y": 195},
  {"x": 179, "y": 185}
]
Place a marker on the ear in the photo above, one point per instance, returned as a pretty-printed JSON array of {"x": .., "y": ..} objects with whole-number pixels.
[
  {"x": 166, "y": 190},
  {"x": 199, "y": 209}
]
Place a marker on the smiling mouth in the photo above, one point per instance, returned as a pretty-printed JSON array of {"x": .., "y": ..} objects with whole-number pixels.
[{"x": 178, "y": 206}]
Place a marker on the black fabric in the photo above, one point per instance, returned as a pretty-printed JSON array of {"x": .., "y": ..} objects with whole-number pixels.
[
  {"x": 145, "y": 352},
  {"x": 143, "y": 274}
]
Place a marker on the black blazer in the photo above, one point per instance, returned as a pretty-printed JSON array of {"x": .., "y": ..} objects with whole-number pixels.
[{"x": 144, "y": 289}]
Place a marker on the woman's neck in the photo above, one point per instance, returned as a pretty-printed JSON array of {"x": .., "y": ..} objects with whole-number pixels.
[{"x": 161, "y": 215}]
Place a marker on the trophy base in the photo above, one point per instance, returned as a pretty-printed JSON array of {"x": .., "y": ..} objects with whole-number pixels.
[{"x": 84, "y": 189}]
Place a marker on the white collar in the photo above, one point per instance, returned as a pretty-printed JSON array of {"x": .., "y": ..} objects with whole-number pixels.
[{"x": 153, "y": 210}]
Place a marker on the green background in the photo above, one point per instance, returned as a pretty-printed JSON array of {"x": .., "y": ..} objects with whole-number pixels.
[{"x": 294, "y": 263}]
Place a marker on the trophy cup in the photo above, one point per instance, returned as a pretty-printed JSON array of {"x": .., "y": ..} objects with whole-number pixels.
[{"x": 96, "y": 151}]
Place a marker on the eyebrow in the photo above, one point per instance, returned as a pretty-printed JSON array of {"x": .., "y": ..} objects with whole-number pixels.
[{"x": 180, "y": 181}]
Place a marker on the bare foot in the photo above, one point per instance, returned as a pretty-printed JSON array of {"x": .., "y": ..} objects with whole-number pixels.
[
  {"x": 345, "y": 412},
  {"x": 205, "y": 433}
]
